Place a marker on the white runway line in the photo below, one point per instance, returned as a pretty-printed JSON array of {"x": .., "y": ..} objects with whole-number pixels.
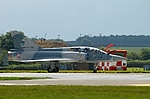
[{"x": 139, "y": 84}]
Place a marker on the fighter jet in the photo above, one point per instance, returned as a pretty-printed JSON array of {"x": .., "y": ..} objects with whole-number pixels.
[{"x": 27, "y": 51}]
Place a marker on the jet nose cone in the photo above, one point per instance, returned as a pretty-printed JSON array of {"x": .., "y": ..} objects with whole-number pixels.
[{"x": 118, "y": 58}]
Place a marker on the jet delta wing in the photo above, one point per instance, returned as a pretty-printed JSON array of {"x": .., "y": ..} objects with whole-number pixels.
[{"x": 27, "y": 51}]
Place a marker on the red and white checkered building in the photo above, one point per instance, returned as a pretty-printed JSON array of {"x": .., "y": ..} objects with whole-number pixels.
[{"x": 112, "y": 65}]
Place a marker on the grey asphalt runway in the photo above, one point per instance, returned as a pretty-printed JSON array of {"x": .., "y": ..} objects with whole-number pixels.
[{"x": 92, "y": 79}]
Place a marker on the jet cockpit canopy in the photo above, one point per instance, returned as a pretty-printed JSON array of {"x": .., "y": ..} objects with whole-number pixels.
[{"x": 88, "y": 49}]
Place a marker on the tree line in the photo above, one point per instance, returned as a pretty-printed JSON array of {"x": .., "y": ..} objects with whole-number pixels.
[
  {"x": 143, "y": 55},
  {"x": 118, "y": 40}
]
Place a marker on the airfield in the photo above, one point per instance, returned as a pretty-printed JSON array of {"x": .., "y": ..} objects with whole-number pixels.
[{"x": 85, "y": 79}]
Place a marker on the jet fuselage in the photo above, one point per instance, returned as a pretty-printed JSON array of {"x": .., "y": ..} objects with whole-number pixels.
[{"x": 71, "y": 54}]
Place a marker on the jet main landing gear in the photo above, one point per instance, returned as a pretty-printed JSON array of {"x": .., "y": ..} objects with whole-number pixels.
[{"x": 53, "y": 67}]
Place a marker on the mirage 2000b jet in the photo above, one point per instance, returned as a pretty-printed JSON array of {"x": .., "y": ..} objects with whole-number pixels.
[{"x": 27, "y": 51}]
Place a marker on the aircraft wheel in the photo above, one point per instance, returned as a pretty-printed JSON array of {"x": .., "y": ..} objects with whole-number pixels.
[
  {"x": 50, "y": 70},
  {"x": 94, "y": 71},
  {"x": 56, "y": 70}
]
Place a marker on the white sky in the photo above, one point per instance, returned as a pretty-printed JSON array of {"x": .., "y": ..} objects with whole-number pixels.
[{"x": 70, "y": 18}]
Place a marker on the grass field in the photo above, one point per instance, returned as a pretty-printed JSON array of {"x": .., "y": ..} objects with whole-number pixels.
[
  {"x": 130, "y": 49},
  {"x": 74, "y": 92},
  {"x": 21, "y": 78}
]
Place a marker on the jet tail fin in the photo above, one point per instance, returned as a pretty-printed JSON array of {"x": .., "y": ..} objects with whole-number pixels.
[{"x": 21, "y": 42}]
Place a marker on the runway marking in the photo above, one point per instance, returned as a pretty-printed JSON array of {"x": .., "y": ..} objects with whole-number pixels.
[
  {"x": 6, "y": 84},
  {"x": 139, "y": 84},
  {"x": 10, "y": 84}
]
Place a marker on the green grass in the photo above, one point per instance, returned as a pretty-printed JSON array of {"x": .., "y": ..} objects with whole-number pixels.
[
  {"x": 23, "y": 71},
  {"x": 45, "y": 71},
  {"x": 74, "y": 92},
  {"x": 130, "y": 49},
  {"x": 21, "y": 78}
]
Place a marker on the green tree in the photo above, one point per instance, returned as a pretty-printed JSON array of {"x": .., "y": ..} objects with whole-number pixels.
[
  {"x": 134, "y": 56},
  {"x": 86, "y": 42},
  {"x": 6, "y": 42},
  {"x": 145, "y": 53},
  {"x": 2, "y": 54}
]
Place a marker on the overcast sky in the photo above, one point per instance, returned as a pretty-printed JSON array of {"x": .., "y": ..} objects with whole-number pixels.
[{"x": 70, "y": 18}]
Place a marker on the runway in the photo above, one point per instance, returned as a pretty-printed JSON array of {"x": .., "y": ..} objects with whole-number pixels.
[{"x": 91, "y": 79}]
